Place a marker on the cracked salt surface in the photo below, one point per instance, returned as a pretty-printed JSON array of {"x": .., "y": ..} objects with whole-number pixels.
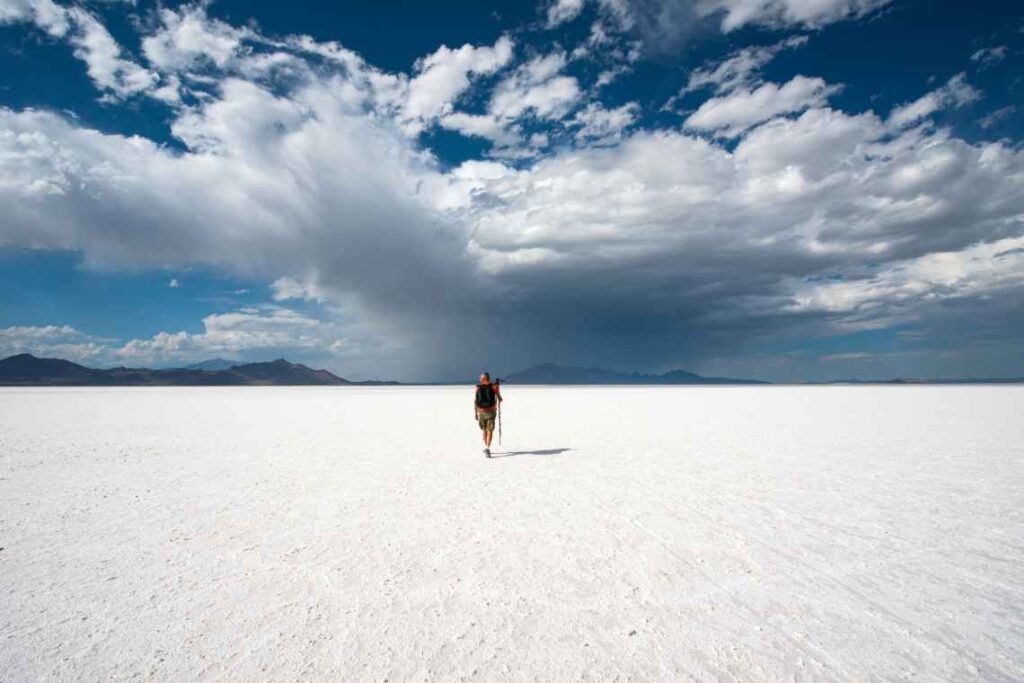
[{"x": 630, "y": 533}]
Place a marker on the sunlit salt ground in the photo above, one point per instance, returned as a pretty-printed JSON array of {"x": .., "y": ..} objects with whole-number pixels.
[{"x": 357, "y": 534}]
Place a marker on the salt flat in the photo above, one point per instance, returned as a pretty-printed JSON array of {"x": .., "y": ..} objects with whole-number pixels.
[{"x": 628, "y": 533}]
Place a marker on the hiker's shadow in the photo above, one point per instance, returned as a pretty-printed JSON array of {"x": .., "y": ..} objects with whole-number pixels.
[{"x": 549, "y": 451}]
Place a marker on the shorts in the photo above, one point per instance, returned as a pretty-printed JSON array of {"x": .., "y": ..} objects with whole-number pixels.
[{"x": 486, "y": 420}]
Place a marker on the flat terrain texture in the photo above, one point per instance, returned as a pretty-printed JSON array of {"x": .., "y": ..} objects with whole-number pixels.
[{"x": 624, "y": 533}]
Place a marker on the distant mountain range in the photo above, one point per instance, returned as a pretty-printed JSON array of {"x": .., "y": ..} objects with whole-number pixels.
[
  {"x": 549, "y": 373},
  {"x": 214, "y": 364},
  {"x": 912, "y": 380},
  {"x": 27, "y": 370}
]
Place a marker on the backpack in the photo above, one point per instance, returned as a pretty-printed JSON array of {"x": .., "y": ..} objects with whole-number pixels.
[{"x": 485, "y": 397}]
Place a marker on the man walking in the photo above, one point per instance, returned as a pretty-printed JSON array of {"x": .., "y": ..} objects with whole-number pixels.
[{"x": 485, "y": 409}]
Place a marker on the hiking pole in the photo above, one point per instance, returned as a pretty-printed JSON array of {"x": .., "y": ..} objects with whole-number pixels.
[{"x": 497, "y": 383}]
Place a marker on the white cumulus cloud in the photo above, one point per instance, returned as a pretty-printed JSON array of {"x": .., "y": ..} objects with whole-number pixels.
[
  {"x": 806, "y": 13},
  {"x": 954, "y": 94},
  {"x": 444, "y": 75},
  {"x": 740, "y": 69},
  {"x": 602, "y": 126},
  {"x": 734, "y": 113},
  {"x": 990, "y": 56},
  {"x": 61, "y": 341},
  {"x": 536, "y": 87},
  {"x": 46, "y": 14},
  {"x": 188, "y": 36}
]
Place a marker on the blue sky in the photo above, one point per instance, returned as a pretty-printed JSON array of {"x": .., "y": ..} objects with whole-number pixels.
[{"x": 769, "y": 188}]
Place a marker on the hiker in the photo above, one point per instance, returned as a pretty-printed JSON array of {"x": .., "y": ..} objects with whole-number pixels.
[{"x": 485, "y": 408}]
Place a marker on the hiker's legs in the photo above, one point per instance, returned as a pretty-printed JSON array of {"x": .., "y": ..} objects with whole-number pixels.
[{"x": 486, "y": 421}]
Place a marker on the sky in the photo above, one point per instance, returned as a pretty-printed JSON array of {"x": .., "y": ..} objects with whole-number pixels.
[{"x": 787, "y": 190}]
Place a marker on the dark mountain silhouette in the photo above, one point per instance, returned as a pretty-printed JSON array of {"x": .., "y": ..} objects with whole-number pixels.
[
  {"x": 281, "y": 371},
  {"x": 549, "y": 373},
  {"x": 27, "y": 370},
  {"x": 913, "y": 380},
  {"x": 213, "y": 364}
]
